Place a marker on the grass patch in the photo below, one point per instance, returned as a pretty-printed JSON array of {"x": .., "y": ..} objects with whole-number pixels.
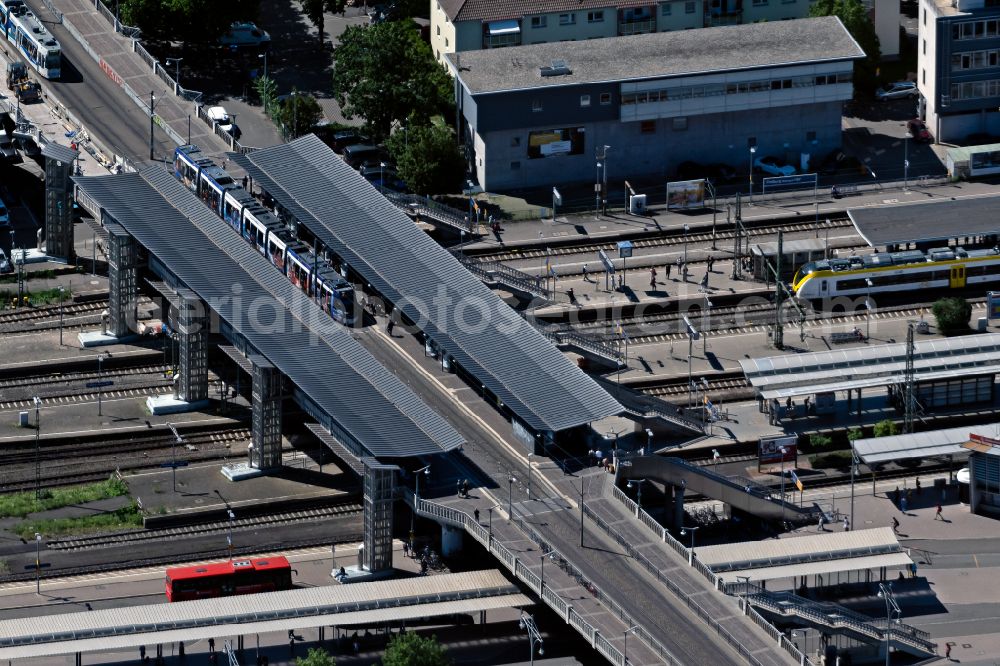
[
  {"x": 19, "y": 505},
  {"x": 835, "y": 459},
  {"x": 128, "y": 517},
  {"x": 4, "y": 568},
  {"x": 43, "y": 297},
  {"x": 46, "y": 274}
]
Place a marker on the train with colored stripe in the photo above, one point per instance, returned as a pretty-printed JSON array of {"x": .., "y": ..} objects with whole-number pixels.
[
  {"x": 261, "y": 228},
  {"x": 892, "y": 272}
]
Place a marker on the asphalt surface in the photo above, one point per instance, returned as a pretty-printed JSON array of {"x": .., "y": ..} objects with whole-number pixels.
[
  {"x": 102, "y": 106},
  {"x": 647, "y": 601}
]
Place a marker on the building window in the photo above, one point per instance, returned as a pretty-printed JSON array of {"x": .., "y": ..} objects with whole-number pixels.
[
  {"x": 539, "y": 21},
  {"x": 689, "y": 7},
  {"x": 536, "y": 105},
  {"x": 515, "y": 141},
  {"x": 751, "y": 142},
  {"x": 665, "y": 9},
  {"x": 923, "y": 75},
  {"x": 584, "y": 100},
  {"x": 760, "y": 3},
  {"x": 439, "y": 31},
  {"x": 595, "y": 17},
  {"x": 787, "y": 2},
  {"x": 810, "y": 136},
  {"x": 923, "y": 46},
  {"x": 924, "y": 16},
  {"x": 679, "y": 124},
  {"x": 647, "y": 127},
  {"x": 605, "y": 98},
  {"x": 446, "y": 42},
  {"x": 515, "y": 166},
  {"x": 567, "y": 19}
]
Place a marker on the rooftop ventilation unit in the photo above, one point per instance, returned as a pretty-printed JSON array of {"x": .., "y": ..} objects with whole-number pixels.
[{"x": 558, "y": 68}]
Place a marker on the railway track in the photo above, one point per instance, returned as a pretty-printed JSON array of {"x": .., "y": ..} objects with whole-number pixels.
[
  {"x": 82, "y": 462},
  {"x": 201, "y": 529},
  {"x": 27, "y": 319},
  {"x": 138, "y": 389},
  {"x": 668, "y": 238},
  {"x": 55, "y": 384}
]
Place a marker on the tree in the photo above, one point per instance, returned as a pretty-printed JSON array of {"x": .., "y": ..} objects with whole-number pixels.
[
  {"x": 199, "y": 21},
  {"x": 267, "y": 90},
  {"x": 854, "y": 434},
  {"x": 385, "y": 73},
  {"x": 412, "y": 649},
  {"x": 316, "y": 657},
  {"x": 315, "y": 9},
  {"x": 885, "y": 428},
  {"x": 854, "y": 16},
  {"x": 428, "y": 158},
  {"x": 819, "y": 441},
  {"x": 952, "y": 315},
  {"x": 298, "y": 114}
]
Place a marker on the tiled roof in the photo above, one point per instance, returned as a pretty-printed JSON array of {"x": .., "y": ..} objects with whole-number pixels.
[{"x": 491, "y": 10}]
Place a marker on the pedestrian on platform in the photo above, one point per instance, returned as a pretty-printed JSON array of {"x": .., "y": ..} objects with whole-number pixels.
[
  {"x": 586, "y": 275},
  {"x": 919, "y": 489},
  {"x": 667, "y": 269},
  {"x": 389, "y": 325},
  {"x": 898, "y": 495},
  {"x": 680, "y": 262},
  {"x": 847, "y": 524},
  {"x": 820, "y": 523},
  {"x": 211, "y": 645},
  {"x": 937, "y": 513},
  {"x": 704, "y": 282},
  {"x": 947, "y": 650},
  {"x": 475, "y": 514},
  {"x": 572, "y": 296},
  {"x": 903, "y": 504},
  {"x": 895, "y": 524},
  {"x": 458, "y": 487},
  {"x": 598, "y": 456},
  {"x": 788, "y": 404},
  {"x": 621, "y": 281},
  {"x": 652, "y": 279},
  {"x": 406, "y": 549},
  {"x": 465, "y": 487}
]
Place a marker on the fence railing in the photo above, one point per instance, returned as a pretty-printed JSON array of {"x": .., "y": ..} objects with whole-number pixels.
[
  {"x": 52, "y": 8},
  {"x": 603, "y": 645}
]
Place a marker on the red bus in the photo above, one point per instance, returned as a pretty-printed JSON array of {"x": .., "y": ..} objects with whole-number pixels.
[{"x": 224, "y": 579}]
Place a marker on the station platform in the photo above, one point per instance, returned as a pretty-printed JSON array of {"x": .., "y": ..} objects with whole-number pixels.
[{"x": 573, "y": 228}]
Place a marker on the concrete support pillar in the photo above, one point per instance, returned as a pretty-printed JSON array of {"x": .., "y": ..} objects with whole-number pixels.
[
  {"x": 859, "y": 402},
  {"x": 265, "y": 431},
  {"x": 59, "y": 161},
  {"x": 679, "y": 506},
  {"x": 668, "y": 502},
  {"x": 451, "y": 540},
  {"x": 122, "y": 280},
  {"x": 380, "y": 494},
  {"x": 192, "y": 325}
]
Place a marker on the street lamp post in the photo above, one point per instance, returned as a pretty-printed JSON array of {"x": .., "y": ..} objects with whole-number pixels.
[
  {"x": 906, "y": 160},
  {"x": 753, "y": 149},
  {"x": 854, "y": 466},
  {"x": 604, "y": 187},
  {"x": 868, "y": 311},
  {"x": 685, "y": 267},
  {"x": 152, "y": 114},
  {"x": 692, "y": 530},
  {"x": 549, "y": 554},
  {"x": 267, "y": 99},
  {"x": 534, "y": 637},
  {"x": 103, "y": 356},
  {"x": 625, "y": 646},
  {"x": 529, "y": 475},
  {"x": 638, "y": 483},
  {"x": 229, "y": 539},
  {"x": 38, "y": 459},
  {"x": 782, "y": 450},
  {"x": 38, "y": 563},
  {"x": 826, "y": 248},
  {"x": 649, "y": 442},
  {"x": 746, "y": 590},
  {"x": 62, "y": 291},
  {"x": 510, "y": 497},
  {"x": 885, "y": 592},
  {"x": 704, "y": 325},
  {"x": 426, "y": 471},
  {"x": 176, "y": 62},
  {"x": 491, "y": 520},
  {"x": 173, "y": 453}
]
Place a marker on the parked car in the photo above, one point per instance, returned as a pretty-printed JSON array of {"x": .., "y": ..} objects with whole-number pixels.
[
  {"x": 345, "y": 138},
  {"x": 219, "y": 115},
  {"x": 245, "y": 34},
  {"x": 897, "y": 90},
  {"x": 7, "y": 149},
  {"x": 378, "y": 175},
  {"x": 4, "y": 217},
  {"x": 5, "y": 266},
  {"x": 773, "y": 166},
  {"x": 360, "y": 154},
  {"x": 918, "y": 130},
  {"x": 840, "y": 162}
]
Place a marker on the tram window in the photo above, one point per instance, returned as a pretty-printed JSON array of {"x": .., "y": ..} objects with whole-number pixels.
[{"x": 822, "y": 285}]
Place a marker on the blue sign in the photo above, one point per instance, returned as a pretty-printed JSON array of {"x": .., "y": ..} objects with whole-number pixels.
[
  {"x": 788, "y": 182},
  {"x": 624, "y": 249},
  {"x": 179, "y": 463},
  {"x": 993, "y": 305},
  {"x": 609, "y": 266},
  {"x": 100, "y": 384}
]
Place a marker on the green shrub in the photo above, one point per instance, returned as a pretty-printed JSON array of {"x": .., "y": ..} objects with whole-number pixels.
[
  {"x": 820, "y": 441},
  {"x": 885, "y": 428},
  {"x": 952, "y": 315},
  {"x": 831, "y": 459},
  {"x": 19, "y": 505}
]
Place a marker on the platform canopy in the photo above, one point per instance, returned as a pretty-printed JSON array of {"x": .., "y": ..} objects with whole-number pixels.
[
  {"x": 490, "y": 341},
  {"x": 927, "y": 221},
  {"x": 305, "y": 608},
  {"x": 258, "y": 305},
  {"x": 920, "y": 444},
  {"x": 825, "y": 553}
]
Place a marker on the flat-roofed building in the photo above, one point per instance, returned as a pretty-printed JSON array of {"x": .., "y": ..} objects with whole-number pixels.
[{"x": 535, "y": 115}]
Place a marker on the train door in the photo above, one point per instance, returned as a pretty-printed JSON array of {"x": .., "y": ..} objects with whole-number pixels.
[{"x": 957, "y": 280}]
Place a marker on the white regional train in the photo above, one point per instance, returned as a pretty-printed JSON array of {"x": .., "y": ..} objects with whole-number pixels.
[
  {"x": 265, "y": 232},
  {"x": 939, "y": 268}
]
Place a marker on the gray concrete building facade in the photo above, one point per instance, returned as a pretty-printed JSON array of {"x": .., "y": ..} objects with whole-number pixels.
[{"x": 537, "y": 115}]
